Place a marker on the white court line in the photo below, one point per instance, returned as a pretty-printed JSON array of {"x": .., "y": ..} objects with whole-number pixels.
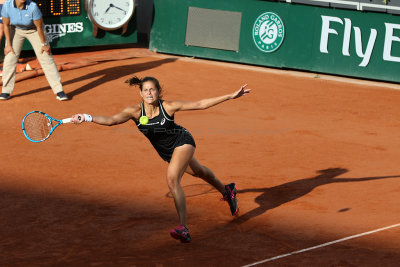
[{"x": 323, "y": 245}]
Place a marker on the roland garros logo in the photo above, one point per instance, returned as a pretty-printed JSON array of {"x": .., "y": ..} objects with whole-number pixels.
[{"x": 268, "y": 32}]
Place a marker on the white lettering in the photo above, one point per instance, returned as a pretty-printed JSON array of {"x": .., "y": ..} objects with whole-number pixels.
[
  {"x": 366, "y": 53},
  {"x": 70, "y": 27},
  {"x": 346, "y": 37},
  {"x": 79, "y": 26},
  {"x": 323, "y": 45},
  {"x": 64, "y": 28},
  {"x": 389, "y": 39},
  {"x": 55, "y": 31},
  {"x": 47, "y": 28},
  {"x": 370, "y": 46}
]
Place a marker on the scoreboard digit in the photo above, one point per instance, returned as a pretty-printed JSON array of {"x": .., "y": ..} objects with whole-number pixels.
[{"x": 59, "y": 8}]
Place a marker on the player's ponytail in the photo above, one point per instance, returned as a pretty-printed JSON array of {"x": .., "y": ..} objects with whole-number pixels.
[{"x": 135, "y": 81}]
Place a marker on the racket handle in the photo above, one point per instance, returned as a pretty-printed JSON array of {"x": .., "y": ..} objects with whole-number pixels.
[{"x": 69, "y": 120}]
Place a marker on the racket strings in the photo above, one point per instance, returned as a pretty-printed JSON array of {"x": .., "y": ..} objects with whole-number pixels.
[{"x": 37, "y": 126}]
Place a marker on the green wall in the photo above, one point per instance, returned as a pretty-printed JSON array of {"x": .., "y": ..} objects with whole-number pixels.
[{"x": 301, "y": 47}]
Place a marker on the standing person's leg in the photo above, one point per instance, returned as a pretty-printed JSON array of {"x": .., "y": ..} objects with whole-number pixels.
[
  {"x": 228, "y": 191},
  {"x": 11, "y": 59},
  {"x": 46, "y": 61},
  {"x": 1, "y": 31},
  {"x": 1, "y": 38},
  {"x": 176, "y": 168}
]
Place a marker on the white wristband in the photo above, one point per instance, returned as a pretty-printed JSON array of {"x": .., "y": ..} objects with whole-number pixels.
[{"x": 88, "y": 117}]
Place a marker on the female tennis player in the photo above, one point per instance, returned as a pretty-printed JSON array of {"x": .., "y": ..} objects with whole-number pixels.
[{"x": 172, "y": 142}]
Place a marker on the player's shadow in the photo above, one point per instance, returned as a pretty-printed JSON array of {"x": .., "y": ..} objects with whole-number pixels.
[
  {"x": 103, "y": 76},
  {"x": 273, "y": 197}
]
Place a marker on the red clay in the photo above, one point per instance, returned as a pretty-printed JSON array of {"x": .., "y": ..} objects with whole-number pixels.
[{"x": 314, "y": 161}]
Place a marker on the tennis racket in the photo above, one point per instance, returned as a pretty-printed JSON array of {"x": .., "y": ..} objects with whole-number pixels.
[{"x": 37, "y": 126}]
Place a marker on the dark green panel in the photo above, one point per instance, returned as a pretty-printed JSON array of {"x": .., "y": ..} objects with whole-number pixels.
[{"x": 300, "y": 48}]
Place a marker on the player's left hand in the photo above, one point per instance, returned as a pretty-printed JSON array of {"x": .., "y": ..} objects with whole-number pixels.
[{"x": 241, "y": 92}]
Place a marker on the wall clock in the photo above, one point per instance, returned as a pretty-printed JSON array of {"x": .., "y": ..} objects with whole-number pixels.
[{"x": 110, "y": 15}]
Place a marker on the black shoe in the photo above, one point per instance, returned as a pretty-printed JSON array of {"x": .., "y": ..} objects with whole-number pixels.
[
  {"x": 4, "y": 96},
  {"x": 230, "y": 197},
  {"x": 181, "y": 233},
  {"x": 62, "y": 96}
]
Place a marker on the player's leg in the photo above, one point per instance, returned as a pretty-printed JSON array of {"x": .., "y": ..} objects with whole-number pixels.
[
  {"x": 176, "y": 168},
  {"x": 228, "y": 191},
  {"x": 198, "y": 170}
]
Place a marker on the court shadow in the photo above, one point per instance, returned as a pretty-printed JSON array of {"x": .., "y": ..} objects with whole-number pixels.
[
  {"x": 44, "y": 228},
  {"x": 103, "y": 76},
  {"x": 273, "y": 197}
]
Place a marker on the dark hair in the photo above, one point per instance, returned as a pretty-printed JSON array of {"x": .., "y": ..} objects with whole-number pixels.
[{"x": 135, "y": 81}]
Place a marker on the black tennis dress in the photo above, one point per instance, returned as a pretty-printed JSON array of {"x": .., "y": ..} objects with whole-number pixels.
[{"x": 164, "y": 134}]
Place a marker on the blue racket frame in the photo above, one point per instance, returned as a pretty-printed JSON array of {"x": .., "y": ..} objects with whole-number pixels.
[{"x": 51, "y": 120}]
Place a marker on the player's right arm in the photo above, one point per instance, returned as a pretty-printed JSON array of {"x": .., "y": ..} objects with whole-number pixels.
[{"x": 128, "y": 113}]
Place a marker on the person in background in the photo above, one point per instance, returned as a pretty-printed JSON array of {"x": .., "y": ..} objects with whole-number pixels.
[{"x": 22, "y": 20}]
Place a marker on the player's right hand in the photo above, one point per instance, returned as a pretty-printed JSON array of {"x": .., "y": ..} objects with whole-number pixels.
[
  {"x": 78, "y": 118},
  {"x": 8, "y": 49}
]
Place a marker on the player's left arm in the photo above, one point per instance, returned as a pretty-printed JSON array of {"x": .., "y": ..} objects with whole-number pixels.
[{"x": 174, "y": 106}]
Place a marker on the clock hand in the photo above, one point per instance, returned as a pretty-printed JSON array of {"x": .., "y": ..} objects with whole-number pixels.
[{"x": 111, "y": 5}]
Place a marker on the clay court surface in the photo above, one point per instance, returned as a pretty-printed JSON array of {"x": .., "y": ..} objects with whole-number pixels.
[{"x": 315, "y": 160}]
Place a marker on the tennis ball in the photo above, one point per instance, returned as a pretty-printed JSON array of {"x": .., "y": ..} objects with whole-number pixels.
[{"x": 143, "y": 120}]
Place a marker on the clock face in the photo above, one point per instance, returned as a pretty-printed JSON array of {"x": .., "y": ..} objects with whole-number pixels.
[{"x": 111, "y": 14}]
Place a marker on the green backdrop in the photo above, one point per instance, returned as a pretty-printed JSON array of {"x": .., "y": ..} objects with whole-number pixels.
[{"x": 301, "y": 47}]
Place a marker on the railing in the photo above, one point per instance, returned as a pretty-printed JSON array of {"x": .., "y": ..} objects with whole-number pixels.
[{"x": 383, "y": 6}]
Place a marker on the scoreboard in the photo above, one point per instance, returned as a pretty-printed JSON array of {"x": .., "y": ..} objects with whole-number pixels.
[{"x": 59, "y": 8}]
